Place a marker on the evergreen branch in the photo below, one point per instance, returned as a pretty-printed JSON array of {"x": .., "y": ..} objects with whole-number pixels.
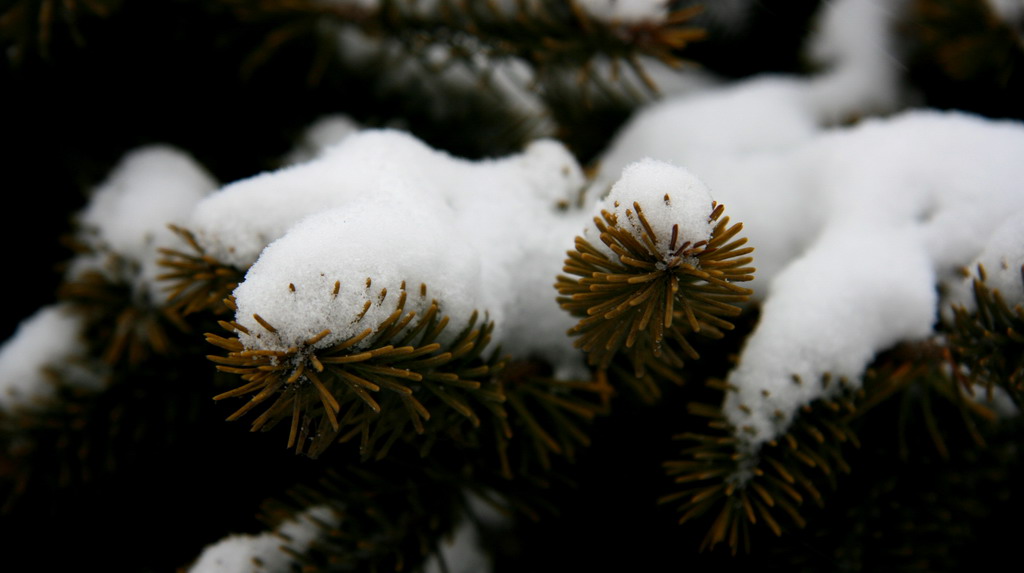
[
  {"x": 989, "y": 342},
  {"x": 373, "y": 385},
  {"x": 645, "y": 303},
  {"x": 735, "y": 491},
  {"x": 389, "y": 518},
  {"x": 546, "y": 417},
  {"x": 550, "y": 36},
  {"x": 922, "y": 500},
  {"x": 197, "y": 280},
  {"x": 83, "y": 435},
  {"x": 121, "y": 325},
  {"x": 924, "y": 384},
  {"x": 31, "y": 26}
]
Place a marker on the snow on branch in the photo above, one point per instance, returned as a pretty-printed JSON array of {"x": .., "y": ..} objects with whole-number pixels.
[
  {"x": 384, "y": 275},
  {"x": 855, "y": 228},
  {"x": 126, "y": 221},
  {"x": 658, "y": 264},
  {"x": 47, "y": 349}
]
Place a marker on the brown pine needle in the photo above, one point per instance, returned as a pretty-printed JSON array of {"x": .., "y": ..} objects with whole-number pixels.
[{"x": 364, "y": 385}]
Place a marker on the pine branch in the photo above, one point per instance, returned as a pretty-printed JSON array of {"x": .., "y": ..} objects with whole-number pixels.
[
  {"x": 550, "y": 36},
  {"x": 635, "y": 299},
  {"x": 546, "y": 417},
  {"x": 382, "y": 384},
  {"x": 911, "y": 387},
  {"x": 122, "y": 326},
  {"x": 989, "y": 342},
  {"x": 29, "y": 27},
  {"x": 197, "y": 281},
  {"x": 737, "y": 491},
  {"x": 82, "y": 435},
  {"x": 389, "y": 517},
  {"x": 933, "y": 404}
]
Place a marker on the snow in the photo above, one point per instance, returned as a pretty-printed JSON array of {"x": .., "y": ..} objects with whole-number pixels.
[
  {"x": 1002, "y": 260},
  {"x": 855, "y": 229},
  {"x": 128, "y": 214},
  {"x": 461, "y": 553},
  {"x": 1011, "y": 12},
  {"x": 321, "y": 134},
  {"x": 728, "y": 17},
  {"x": 484, "y": 236},
  {"x": 829, "y": 312},
  {"x": 861, "y": 224},
  {"x": 382, "y": 238},
  {"x": 668, "y": 196},
  {"x": 761, "y": 114},
  {"x": 49, "y": 340},
  {"x": 707, "y": 132},
  {"x": 264, "y": 553},
  {"x": 854, "y": 41},
  {"x": 996, "y": 399},
  {"x": 440, "y": 69},
  {"x": 625, "y": 11}
]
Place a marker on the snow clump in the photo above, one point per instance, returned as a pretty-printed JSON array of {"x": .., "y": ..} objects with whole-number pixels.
[
  {"x": 128, "y": 216},
  {"x": 265, "y": 552},
  {"x": 382, "y": 209},
  {"x": 857, "y": 229},
  {"x": 47, "y": 345}
]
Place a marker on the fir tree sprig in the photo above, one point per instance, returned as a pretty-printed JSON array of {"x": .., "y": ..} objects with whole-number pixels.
[
  {"x": 552, "y": 37},
  {"x": 736, "y": 491},
  {"x": 933, "y": 469},
  {"x": 546, "y": 417},
  {"x": 990, "y": 340},
  {"x": 390, "y": 517},
  {"x": 119, "y": 321},
  {"x": 30, "y": 26},
  {"x": 634, "y": 298},
  {"x": 935, "y": 404},
  {"x": 380, "y": 385},
  {"x": 83, "y": 435},
  {"x": 197, "y": 281}
]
